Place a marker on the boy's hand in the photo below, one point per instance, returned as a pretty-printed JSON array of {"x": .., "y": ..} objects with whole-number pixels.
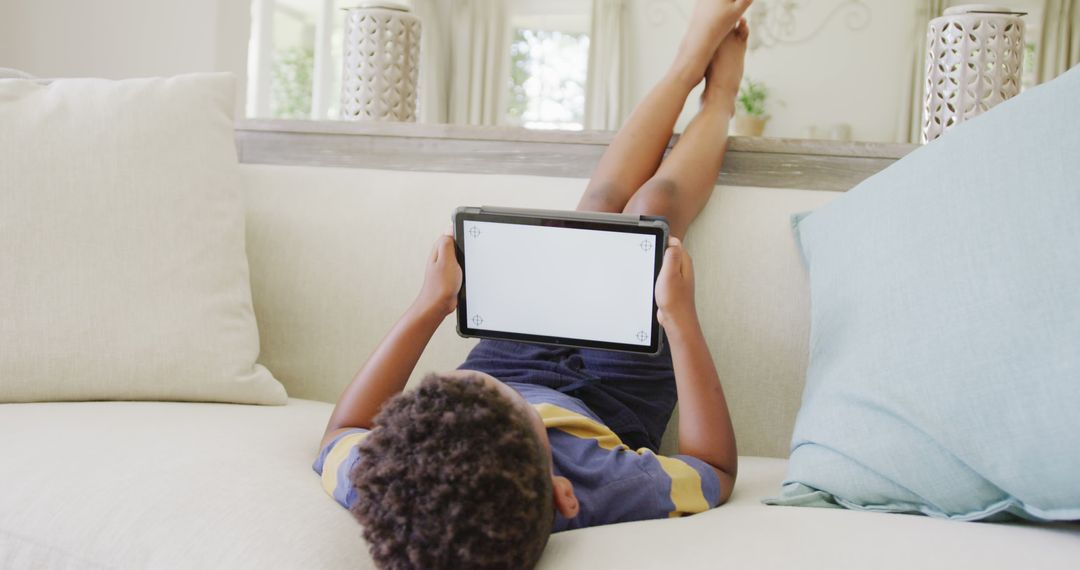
[
  {"x": 442, "y": 280},
  {"x": 675, "y": 287},
  {"x": 387, "y": 370}
]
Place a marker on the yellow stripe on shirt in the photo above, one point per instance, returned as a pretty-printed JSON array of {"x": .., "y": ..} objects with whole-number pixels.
[
  {"x": 686, "y": 492},
  {"x": 339, "y": 453},
  {"x": 579, "y": 426}
]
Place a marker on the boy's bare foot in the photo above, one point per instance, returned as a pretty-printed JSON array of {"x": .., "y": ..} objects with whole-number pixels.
[
  {"x": 725, "y": 72},
  {"x": 710, "y": 23}
]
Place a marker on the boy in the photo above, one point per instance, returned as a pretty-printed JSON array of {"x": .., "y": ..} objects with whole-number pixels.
[{"x": 476, "y": 467}]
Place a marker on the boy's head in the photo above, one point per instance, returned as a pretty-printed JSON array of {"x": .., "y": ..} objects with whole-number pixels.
[{"x": 457, "y": 474}]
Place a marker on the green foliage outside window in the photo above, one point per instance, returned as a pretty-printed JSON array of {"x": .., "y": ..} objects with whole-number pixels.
[
  {"x": 519, "y": 74},
  {"x": 292, "y": 82},
  {"x": 548, "y": 74},
  {"x": 1031, "y": 62}
]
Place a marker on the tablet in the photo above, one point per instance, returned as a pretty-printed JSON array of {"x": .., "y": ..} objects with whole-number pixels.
[{"x": 566, "y": 278}]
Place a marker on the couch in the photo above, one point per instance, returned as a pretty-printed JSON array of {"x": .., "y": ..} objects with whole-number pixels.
[{"x": 335, "y": 257}]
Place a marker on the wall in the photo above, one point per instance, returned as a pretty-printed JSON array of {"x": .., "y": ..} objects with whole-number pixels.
[
  {"x": 842, "y": 76},
  {"x": 7, "y": 41},
  {"x": 123, "y": 38}
]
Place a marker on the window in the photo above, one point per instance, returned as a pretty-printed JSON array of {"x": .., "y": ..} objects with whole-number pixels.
[
  {"x": 549, "y": 63},
  {"x": 548, "y": 74},
  {"x": 1032, "y": 50},
  {"x": 294, "y": 59},
  {"x": 1032, "y": 35}
]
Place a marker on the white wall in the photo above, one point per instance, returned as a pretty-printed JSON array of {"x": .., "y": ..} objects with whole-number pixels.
[
  {"x": 842, "y": 76},
  {"x": 123, "y": 38}
]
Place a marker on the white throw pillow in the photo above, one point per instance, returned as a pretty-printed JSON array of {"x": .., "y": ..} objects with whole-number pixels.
[{"x": 123, "y": 274}]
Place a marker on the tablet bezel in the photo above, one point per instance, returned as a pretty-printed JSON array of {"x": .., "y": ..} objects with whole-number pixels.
[{"x": 652, "y": 226}]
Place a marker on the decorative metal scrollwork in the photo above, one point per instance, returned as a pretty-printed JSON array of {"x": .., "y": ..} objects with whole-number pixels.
[{"x": 775, "y": 21}]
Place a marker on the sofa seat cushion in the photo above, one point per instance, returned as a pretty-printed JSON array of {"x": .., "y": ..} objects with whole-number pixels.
[
  {"x": 172, "y": 485},
  {"x": 168, "y": 485},
  {"x": 744, "y": 533}
]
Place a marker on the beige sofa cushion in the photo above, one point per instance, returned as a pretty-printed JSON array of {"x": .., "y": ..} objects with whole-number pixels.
[
  {"x": 172, "y": 485},
  {"x": 122, "y": 240}
]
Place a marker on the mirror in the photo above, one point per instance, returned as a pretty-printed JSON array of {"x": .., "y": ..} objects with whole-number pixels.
[{"x": 827, "y": 69}]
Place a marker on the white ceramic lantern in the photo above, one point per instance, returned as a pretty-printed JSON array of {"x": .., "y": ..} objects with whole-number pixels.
[
  {"x": 381, "y": 63},
  {"x": 974, "y": 60}
]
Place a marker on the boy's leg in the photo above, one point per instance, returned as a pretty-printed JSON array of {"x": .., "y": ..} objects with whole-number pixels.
[
  {"x": 638, "y": 148},
  {"x": 685, "y": 181},
  {"x": 645, "y": 384}
]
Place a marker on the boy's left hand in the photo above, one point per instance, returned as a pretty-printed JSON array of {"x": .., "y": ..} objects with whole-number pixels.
[
  {"x": 442, "y": 279},
  {"x": 675, "y": 287}
]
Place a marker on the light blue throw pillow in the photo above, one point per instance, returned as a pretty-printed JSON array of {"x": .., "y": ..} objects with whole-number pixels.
[{"x": 944, "y": 372}]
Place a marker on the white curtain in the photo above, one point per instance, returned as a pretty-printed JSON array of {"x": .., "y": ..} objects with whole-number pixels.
[
  {"x": 607, "y": 92},
  {"x": 909, "y": 120},
  {"x": 464, "y": 59},
  {"x": 479, "y": 59},
  {"x": 1060, "y": 43},
  {"x": 433, "y": 98}
]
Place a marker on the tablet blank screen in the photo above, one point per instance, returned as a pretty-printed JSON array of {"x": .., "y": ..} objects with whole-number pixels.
[{"x": 560, "y": 282}]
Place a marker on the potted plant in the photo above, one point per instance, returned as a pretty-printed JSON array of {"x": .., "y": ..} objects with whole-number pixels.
[{"x": 750, "y": 117}]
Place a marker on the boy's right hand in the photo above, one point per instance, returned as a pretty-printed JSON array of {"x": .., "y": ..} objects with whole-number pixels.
[
  {"x": 442, "y": 279},
  {"x": 675, "y": 287}
]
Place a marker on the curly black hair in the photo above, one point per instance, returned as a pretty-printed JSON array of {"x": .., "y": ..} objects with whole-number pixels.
[{"x": 453, "y": 476}]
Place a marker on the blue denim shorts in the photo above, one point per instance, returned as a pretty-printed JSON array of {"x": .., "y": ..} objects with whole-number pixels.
[{"x": 632, "y": 394}]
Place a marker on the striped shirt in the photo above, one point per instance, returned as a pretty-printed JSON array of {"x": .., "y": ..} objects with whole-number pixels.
[{"x": 612, "y": 482}]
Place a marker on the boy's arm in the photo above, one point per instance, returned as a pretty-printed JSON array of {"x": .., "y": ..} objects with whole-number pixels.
[
  {"x": 705, "y": 430},
  {"x": 388, "y": 369}
]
